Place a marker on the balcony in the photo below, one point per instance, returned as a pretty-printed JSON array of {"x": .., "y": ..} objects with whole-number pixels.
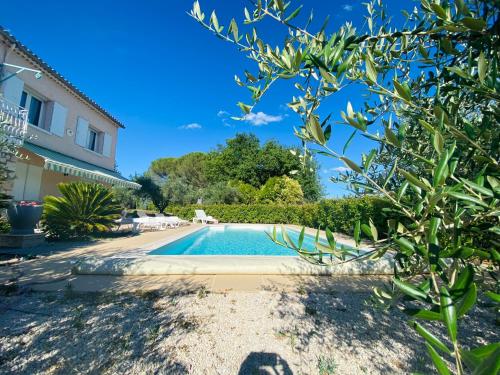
[{"x": 13, "y": 121}]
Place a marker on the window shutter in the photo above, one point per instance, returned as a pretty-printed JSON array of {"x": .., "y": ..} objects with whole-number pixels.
[
  {"x": 12, "y": 88},
  {"x": 82, "y": 130},
  {"x": 106, "y": 145},
  {"x": 56, "y": 115}
]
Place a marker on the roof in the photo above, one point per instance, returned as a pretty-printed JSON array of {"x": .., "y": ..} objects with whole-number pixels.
[
  {"x": 43, "y": 65},
  {"x": 61, "y": 163}
]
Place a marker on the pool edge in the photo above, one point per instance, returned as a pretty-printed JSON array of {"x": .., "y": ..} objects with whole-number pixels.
[{"x": 156, "y": 265}]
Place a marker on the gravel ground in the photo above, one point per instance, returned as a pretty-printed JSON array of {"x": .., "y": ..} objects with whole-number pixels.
[{"x": 310, "y": 331}]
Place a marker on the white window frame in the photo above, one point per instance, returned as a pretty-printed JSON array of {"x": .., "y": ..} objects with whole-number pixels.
[{"x": 30, "y": 94}]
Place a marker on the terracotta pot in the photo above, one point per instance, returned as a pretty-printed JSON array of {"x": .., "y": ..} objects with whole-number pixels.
[{"x": 23, "y": 219}]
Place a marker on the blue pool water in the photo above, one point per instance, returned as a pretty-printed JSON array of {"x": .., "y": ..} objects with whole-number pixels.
[{"x": 232, "y": 240}]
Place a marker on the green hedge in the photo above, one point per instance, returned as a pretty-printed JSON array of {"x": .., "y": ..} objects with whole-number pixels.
[{"x": 339, "y": 215}]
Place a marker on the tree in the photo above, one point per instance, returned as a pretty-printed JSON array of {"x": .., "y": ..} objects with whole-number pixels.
[
  {"x": 281, "y": 190},
  {"x": 126, "y": 197},
  {"x": 150, "y": 189},
  {"x": 237, "y": 160},
  {"x": 180, "y": 192},
  {"x": 242, "y": 159},
  {"x": 220, "y": 193},
  {"x": 307, "y": 176},
  {"x": 191, "y": 168},
  {"x": 432, "y": 86}
]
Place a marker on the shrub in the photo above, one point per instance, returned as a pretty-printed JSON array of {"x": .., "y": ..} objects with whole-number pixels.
[
  {"x": 247, "y": 194},
  {"x": 338, "y": 215},
  {"x": 83, "y": 209},
  {"x": 281, "y": 190},
  {"x": 4, "y": 225}
]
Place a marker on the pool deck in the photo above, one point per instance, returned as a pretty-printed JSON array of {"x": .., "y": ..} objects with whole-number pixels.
[
  {"x": 137, "y": 262},
  {"x": 66, "y": 262}
]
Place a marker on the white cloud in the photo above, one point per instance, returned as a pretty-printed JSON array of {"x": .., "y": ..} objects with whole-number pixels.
[
  {"x": 340, "y": 169},
  {"x": 347, "y": 7},
  {"x": 223, "y": 113},
  {"x": 261, "y": 118},
  {"x": 335, "y": 169},
  {"x": 193, "y": 125}
]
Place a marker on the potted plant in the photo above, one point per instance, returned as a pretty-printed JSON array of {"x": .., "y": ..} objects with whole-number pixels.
[{"x": 23, "y": 216}]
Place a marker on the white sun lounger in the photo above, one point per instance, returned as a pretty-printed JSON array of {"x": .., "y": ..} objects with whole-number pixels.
[
  {"x": 144, "y": 221},
  {"x": 202, "y": 217},
  {"x": 171, "y": 221}
]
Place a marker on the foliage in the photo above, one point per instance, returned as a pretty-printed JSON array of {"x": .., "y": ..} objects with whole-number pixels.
[
  {"x": 4, "y": 225},
  {"x": 83, "y": 209},
  {"x": 281, "y": 190},
  {"x": 7, "y": 148},
  {"x": 189, "y": 168},
  {"x": 242, "y": 159},
  {"x": 326, "y": 365},
  {"x": 307, "y": 176},
  {"x": 246, "y": 193},
  {"x": 220, "y": 192},
  {"x": 179, "y": 191},
  {"x": 125, "y": 197},
  {"x": 432, "y": 87},
  {"x": 339, "y": 215},
  {"x": 237, "y": 160},
  {"x": 151, "y": 189}
]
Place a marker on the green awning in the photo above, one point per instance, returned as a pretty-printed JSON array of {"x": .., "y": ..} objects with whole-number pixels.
[{"x": 57, "y": 162}]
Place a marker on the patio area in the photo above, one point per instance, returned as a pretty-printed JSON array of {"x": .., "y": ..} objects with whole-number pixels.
[
  {"x": 141, "y": 324},
  {"x": 55, "y": 270}
]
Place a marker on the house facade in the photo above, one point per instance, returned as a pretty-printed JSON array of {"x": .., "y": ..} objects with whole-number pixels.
[{"x": 68, "y": 136}]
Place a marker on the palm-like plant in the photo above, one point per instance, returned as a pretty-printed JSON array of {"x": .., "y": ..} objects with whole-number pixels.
[{"x": 83, "y": 209}]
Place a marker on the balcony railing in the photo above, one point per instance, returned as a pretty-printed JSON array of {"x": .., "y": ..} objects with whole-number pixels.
[{"x": 13, "y": 121}]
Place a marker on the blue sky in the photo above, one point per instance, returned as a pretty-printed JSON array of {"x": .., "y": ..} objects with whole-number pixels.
[{"x": 169, "y": 80}]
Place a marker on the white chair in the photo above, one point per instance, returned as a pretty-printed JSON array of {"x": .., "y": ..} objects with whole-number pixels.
[
  {"x": 168, "y": 221},
  {"x": 144, "y": 221},
  {"x": 176, "y": 221},
  {"x": 202, "y": 217}
]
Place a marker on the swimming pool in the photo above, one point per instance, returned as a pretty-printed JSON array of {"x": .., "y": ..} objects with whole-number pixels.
[{"x": 232, "y": 240}]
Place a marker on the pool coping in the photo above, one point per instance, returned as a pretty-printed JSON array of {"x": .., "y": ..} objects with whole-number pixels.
[{"x": 138, "y": 262}]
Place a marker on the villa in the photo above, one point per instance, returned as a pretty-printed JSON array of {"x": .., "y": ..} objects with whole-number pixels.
[
  {"x": 226, "y": 254},
  {"x": 67, "y": 136}
]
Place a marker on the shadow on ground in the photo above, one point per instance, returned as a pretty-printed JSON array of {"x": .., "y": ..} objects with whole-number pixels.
[
  {"x": 92, "y": 333},
  {"x": 338, "y": 311},
  {"x": 261, "y": 363}
]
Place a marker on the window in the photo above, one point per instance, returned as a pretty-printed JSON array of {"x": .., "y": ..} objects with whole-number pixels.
[
  {"x": 95, "y": 140},
  {"x": 24, "y": 98},
  {"x": 92, "y": 140},
  {"x": 35, "y": 111},
  {"x": 34, "y": 106}
]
